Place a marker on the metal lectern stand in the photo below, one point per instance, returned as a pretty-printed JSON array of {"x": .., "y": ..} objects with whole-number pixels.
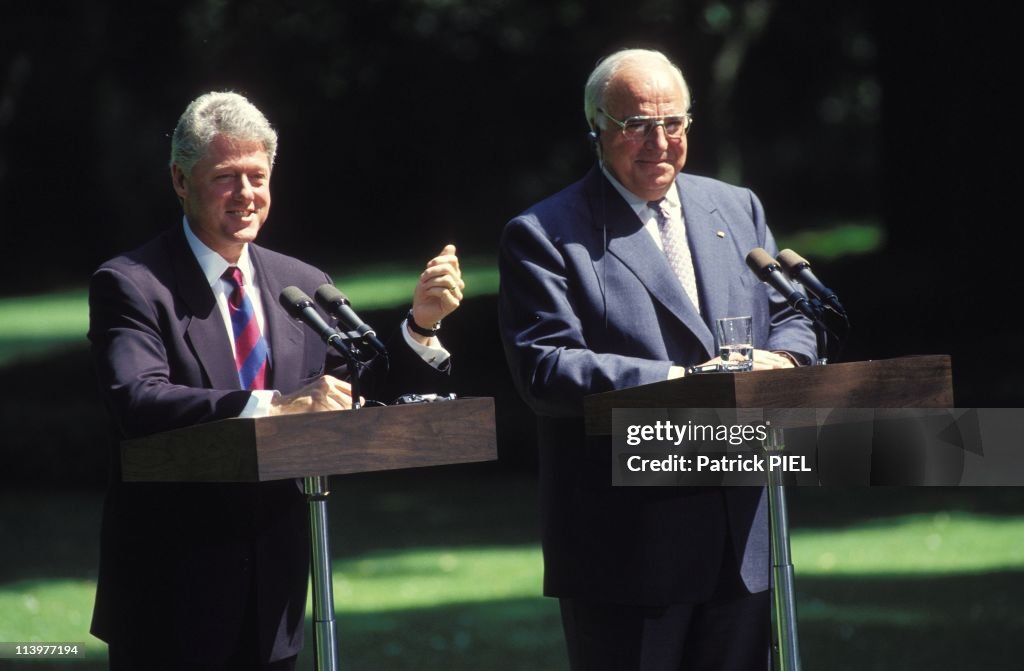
[
  {"x": 324, "y": 632},
  {"x": 312, "y": 447},
  {"x": 784, "y": 588}
]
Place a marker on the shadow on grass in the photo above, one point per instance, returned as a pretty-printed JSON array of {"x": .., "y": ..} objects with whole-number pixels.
[
  {"x": 507, "y": 635},
  {"x": 55, "y": 534},
  {"x": 942, "y": 622},
  {"x": 475, "y": 504},
  {"x": 951, "y": 623}
]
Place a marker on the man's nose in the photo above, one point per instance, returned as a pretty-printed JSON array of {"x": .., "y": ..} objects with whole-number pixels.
[
  {"x": 243, "y": 188},
  {"x": 657, "y": 137}
]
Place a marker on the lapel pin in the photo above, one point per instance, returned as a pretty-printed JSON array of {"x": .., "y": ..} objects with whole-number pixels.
[{"x": 720, "y": 234}]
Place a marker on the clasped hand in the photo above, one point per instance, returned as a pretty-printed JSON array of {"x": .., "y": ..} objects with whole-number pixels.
[{"x": 325, "y": 393}]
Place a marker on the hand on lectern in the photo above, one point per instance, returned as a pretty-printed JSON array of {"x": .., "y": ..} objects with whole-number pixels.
[
  {"x": 763, "y": 360},
  {"x": 326, "y": 393}
]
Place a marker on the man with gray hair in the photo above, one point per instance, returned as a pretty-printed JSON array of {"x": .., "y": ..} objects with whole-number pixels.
[
  {"x": 187, "y": 329},
  {"x": 615, "y": 282}
]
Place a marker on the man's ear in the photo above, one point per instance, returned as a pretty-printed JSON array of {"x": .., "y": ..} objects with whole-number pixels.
[
  {"x": 594, "y": 136},
  {"x": 178, "y": 178}
]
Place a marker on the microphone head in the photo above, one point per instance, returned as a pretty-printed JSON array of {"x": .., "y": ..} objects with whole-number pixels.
[
  {"x": 761, "y": 262},
  {"x": 293, "y": 300},
  {"x": 792, "y": 261},
  {"x": 328, "y": 295}
]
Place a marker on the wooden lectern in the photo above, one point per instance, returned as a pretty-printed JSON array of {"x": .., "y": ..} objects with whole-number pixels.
[
  {"x": 907, "y": 382},
  {"x": 312, "y": 447},
  {"x": 320, "y": 443}
]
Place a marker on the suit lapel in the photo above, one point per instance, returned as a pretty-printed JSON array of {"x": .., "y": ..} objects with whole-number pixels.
[
  {"x": 633, "y": 246},
  {"x": 285, "y": 336},
  {"x": 205, "y": 330},
  {"x": 702, "y": 227}
]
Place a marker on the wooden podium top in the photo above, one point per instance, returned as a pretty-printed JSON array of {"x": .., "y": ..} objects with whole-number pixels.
[
  {"x": 322, "y": 443},
  {"x": 905, "y": 382}
]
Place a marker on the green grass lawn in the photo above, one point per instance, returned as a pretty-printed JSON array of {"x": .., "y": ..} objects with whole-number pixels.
[
  {"x": 33, "y": 325},
  {"x": 441, "y": 570},
  {"x": 401, "y": 609}
]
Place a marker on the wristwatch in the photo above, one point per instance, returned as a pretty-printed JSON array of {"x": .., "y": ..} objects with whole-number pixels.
[{"x": 428, "y": 333}]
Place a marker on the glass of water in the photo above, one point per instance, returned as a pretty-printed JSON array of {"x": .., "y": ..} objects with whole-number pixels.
[{"x": 735, "y": 343}]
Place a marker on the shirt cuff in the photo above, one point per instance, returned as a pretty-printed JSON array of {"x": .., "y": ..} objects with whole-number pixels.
[
  {"x": 675, "y": 372},
  {"x": 259, "y": 403},
  {"x": 434, "y": 355}
]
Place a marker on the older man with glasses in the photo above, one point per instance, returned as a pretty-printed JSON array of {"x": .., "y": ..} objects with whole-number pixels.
[{"x": 614, "y": 282}]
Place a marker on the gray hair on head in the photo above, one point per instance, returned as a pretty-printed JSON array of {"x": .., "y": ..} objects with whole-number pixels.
[
  {"x": 606, "y": 69},
  {"x": 219, "y": 113}
]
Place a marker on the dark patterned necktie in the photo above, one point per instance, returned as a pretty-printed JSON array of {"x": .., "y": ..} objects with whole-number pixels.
[
  {"x": 677, "y": 249},
  {"x": 250, "y": 347}
]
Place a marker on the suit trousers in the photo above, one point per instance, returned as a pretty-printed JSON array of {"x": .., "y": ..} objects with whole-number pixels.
[
  {"x": 244, "y": 653},
  {"x": 729, "y": 632},
  {"x": 720, "y": 635}
]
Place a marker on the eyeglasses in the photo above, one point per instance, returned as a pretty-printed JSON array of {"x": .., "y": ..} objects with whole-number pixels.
[{"x": 637, "y": 128}]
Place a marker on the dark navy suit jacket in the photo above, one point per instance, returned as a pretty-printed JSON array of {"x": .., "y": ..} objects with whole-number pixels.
[
  {"x": 177, "y": 560},
  {"x": 588, "y": 303}
]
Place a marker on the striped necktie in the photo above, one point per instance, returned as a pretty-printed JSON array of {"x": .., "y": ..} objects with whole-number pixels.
[
  {"x": 250, "y": 347},
  {"x": 677, "y": 249}
]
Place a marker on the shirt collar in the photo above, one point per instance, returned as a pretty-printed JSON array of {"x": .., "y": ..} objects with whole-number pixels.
[
  {"x": 638, "y": 204},
  {"x": 212, "y": 263}
]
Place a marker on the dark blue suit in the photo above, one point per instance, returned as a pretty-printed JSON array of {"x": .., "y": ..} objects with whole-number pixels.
[
  {"x": 179, "y": 562},
  {"x": 588, "y": 303}
]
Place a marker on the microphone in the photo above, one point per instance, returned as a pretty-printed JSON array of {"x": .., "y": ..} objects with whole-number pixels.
[
  {"x": 800, "y": 270},
  {"x": 336, "y": 304},
  {"x": 767, "y": 270},
  {"x": 297, "y": 304}
]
